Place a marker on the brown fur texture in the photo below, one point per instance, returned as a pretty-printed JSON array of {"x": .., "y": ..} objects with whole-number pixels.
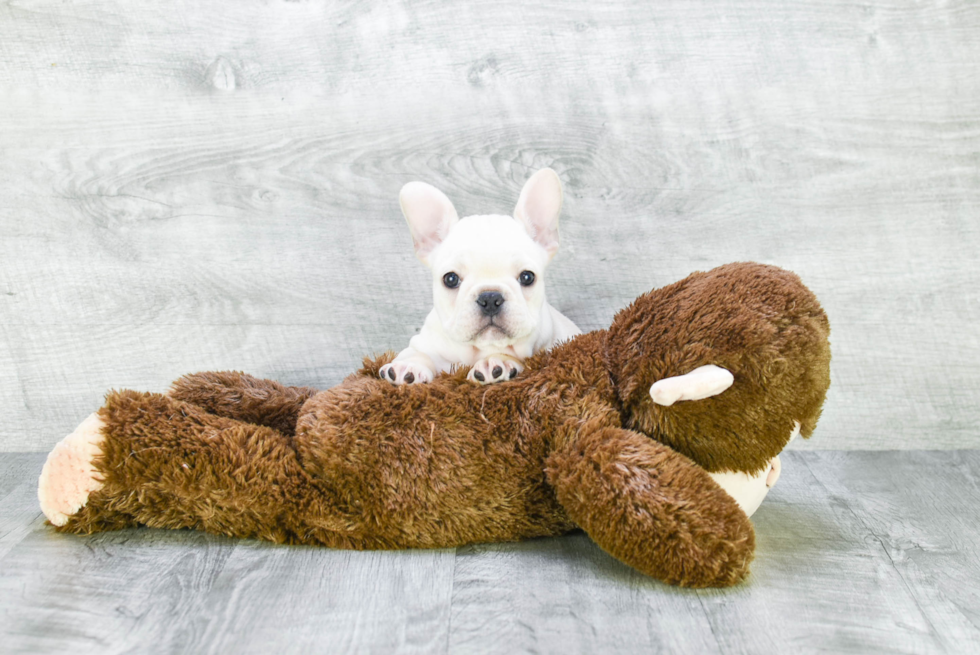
[{"x": 575, "y": 441}]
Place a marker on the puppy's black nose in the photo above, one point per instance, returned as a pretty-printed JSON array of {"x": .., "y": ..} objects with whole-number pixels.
[{"x": 490, "y": 302}]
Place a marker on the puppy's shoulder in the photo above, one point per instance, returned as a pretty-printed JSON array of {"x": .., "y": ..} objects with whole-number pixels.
[{"x": 563, "y": 328}]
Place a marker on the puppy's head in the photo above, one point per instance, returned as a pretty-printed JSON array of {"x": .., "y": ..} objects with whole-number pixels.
[{"x": 488, "y": 271}]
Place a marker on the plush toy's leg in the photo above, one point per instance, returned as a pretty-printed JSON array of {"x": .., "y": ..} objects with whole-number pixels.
[
  {"x": 151, "y": 460},
  {"x": 69, "y": 475},
  {"x": 652, "y": 508},
  {"x": 244, "y": 398}
]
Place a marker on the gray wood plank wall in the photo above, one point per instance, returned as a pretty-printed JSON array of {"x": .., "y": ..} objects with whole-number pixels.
[{"x": 189, "y": 186}]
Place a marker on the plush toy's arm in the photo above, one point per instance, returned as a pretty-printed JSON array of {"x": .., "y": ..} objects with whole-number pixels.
[
  {"x": 243, "y": 398},
  {"x": 652, "y": 508}
]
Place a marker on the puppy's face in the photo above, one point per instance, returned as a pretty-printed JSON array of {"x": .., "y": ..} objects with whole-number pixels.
[
  {"x": 488, "y": 271},
  {"x": 488, "y": 282}
]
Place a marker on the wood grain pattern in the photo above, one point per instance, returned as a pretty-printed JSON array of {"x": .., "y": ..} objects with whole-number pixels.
[
  {"x": 930, "y": 537},
  {"x": 857, "y": 552},
  {"x": 19, "y": 513},
  {"x": 567, "y": 595},
  {"x": 191, "y": 187},
  {"x": 351, "y": 602}
]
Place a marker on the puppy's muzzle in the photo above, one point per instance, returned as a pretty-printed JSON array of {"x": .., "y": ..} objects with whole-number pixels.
[{"x": 490, "y": 302}]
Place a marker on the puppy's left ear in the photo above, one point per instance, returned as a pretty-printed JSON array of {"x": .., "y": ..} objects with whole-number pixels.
[{"x": 538, "y": 208}]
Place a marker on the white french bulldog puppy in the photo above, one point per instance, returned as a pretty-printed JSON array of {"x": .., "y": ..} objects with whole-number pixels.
[{"x": 488, "y": 284}]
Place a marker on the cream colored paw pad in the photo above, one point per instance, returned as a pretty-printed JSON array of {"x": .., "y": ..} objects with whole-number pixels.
[{"x": 68, "y": 476}]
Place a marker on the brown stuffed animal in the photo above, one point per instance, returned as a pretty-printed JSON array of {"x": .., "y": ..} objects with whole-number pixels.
[{"x": 576, "y": 442}]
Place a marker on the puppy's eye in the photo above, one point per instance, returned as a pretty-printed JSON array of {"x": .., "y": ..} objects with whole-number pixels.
[
  {"x": 526, "y": 278},
  {"x": 451, "y": 280}
]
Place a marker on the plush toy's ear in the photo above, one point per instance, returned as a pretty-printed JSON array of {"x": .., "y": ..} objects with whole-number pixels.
[
  {"x": 538, "y": 208},
  {"x": 430, "y": 215}
]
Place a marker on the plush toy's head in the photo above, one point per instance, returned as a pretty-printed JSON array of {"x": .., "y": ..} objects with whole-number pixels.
[{"x": 760, "y": 323}]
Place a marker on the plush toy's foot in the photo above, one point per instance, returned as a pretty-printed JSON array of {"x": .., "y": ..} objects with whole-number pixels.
[{"x": 68, "y": 476}]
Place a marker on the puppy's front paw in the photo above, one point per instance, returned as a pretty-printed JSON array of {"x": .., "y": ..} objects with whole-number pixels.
[
  {"x": 405, "y": 373},
  {"x": 496, "y": 368}
]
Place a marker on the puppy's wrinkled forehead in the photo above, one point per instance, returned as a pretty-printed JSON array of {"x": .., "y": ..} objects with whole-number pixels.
[{"x": 490, "y": 244}]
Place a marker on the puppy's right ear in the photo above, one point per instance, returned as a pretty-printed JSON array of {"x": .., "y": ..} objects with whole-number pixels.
[
  {"x": 538, "y": 209},
  {"x": 429, "y": 213}
]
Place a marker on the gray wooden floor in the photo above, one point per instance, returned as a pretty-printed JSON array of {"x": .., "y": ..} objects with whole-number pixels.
[{"x": 857, "y": 552}]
